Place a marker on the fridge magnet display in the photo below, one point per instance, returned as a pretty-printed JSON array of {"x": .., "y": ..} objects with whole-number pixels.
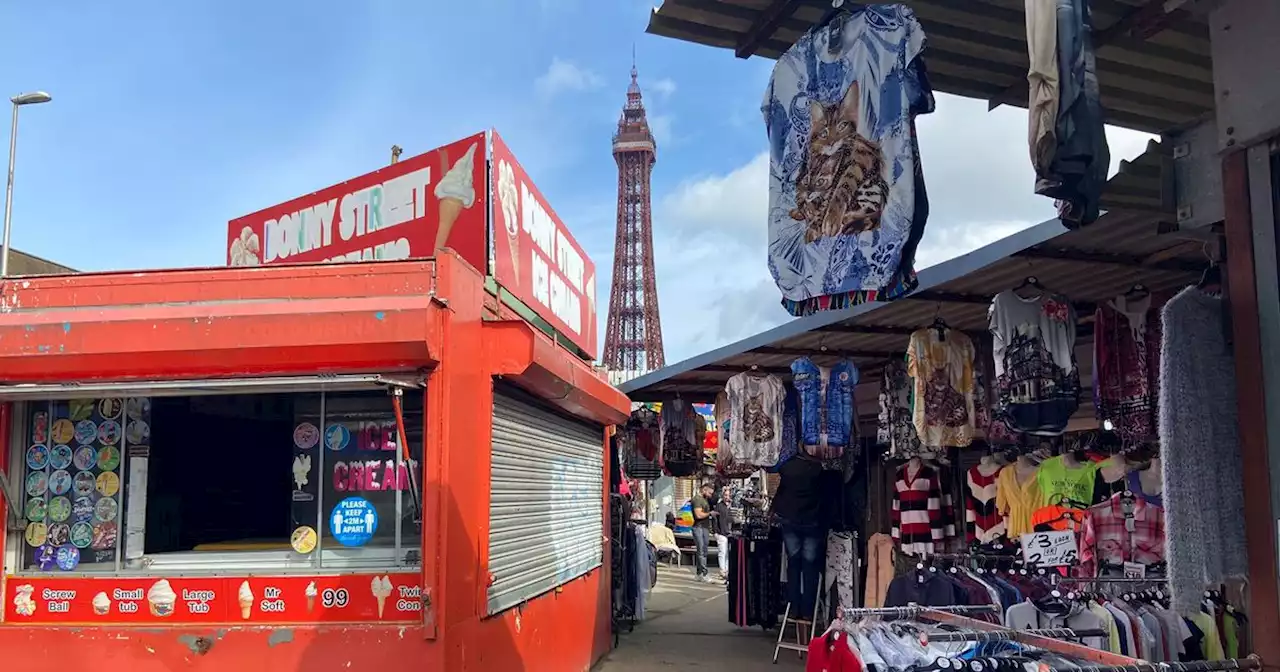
[
  {"x": 353, "y": 521},
  {"x": 60, "y": 456},
  {"x": 303, "y": 539},
  {"x": 59, "y": 509},
  {"x": 36, "y": 510},
  {"x": 101, "y": 604},
  {"x": 23, "y": 602},
  {"x": 37, "y": 534},
  {"x": 105, "y": 510},
  {"x": 81, "y": 409},
  {"x": 83, "y": 484},
  {"x": 37, "y": 457},
  {"x": 81, "y": 535},
  {"x": 138, "y": 432},
  {"x": 59, "y": 534},
  {"x": 138, "y": 408},
  {"x": 82, "y": 508},
  {"x": 161, "y": 598},
  {"x": 108, "y": 458},
  {"x": 85, "y": 457},
  {"x": 63, "y": 431},
  {"x": 336, "y": 437},
  {"x": 108, "y": 484},
  {"x": 86, "y": 431},
  {"x": 110, "y": 408},
  {"x": 306, "y": 436},
  {"x": 104, "y": 536},
  {"x": 109, "y": 433},
  {"x": 40, "y": 427},
  {"x": 37, "y": 483},
  {"x": 68, "y": 557},
  {"x": 60, "y": 482},
  {"x": 46, "y": 558}
]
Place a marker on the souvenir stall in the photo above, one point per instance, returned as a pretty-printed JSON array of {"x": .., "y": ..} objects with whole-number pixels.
[{"x": 326, "y": 417}]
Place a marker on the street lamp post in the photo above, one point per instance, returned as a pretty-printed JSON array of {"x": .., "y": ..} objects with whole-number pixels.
[{"x": 19, "y": 100}]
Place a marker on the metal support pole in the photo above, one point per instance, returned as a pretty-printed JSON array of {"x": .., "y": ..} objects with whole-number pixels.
[{"x": 8, "y": 195}]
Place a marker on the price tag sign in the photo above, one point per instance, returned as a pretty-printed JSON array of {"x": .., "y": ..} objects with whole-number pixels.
[
  {"x": 1050, "y": 549},
  {"x": 1135, "y": 570}
]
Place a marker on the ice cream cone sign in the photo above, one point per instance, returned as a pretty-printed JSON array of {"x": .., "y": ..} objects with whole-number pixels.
[
  {"x": 455, "y": 191},
  {"x": 509, "y": 200},
  {"x": 245, "y": 597}
]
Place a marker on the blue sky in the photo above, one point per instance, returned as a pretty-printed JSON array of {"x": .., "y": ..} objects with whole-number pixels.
[{"x": 169, "y": 119}]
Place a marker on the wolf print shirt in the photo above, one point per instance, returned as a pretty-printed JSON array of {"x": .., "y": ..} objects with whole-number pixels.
[{"x": 847, "y": 203}]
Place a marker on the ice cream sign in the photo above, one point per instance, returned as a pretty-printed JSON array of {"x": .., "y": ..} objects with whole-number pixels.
[
  {"x": 405, "y": 210},
  {"x": 535, "y": 256}
]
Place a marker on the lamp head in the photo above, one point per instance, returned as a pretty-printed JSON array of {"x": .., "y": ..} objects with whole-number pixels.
[{"x": 33, "y": 98}]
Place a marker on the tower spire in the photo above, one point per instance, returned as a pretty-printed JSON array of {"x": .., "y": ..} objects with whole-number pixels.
[{"x": 633, "y": 337}]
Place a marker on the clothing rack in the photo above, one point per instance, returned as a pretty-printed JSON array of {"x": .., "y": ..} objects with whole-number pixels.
[
  {"x": 1250, "y": 663},
  {"x": 1030, "y": 638},
  {"x": 914, "y": 610},
  {"x": 1104, "y": 579},
  {"x": 1012, "y": 635}
]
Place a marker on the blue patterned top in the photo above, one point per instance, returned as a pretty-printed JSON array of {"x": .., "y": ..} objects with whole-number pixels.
[{"x": 847, "y": 203}]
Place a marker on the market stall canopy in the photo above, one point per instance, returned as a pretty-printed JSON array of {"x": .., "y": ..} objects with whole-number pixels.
[
  {"x": 1154, "y": 63},
  {"x": 1088, "y": 265}
]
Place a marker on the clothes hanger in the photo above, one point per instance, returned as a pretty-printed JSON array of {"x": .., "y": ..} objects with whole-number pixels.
[
  {"x": 1033, "y": 282},
  {"x": 1137, "y": 292}
]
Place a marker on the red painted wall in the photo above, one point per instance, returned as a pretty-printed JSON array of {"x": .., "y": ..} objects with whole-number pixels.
[{"x": 392, "y": 323}]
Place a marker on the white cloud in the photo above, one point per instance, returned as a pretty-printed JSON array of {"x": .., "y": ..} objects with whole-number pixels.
[
  {"x": 663, "y": 88},
  {"x": 660, "y": 126},
  {"x": 710, "y": 233},
  {"x": 565, "y": 76}
]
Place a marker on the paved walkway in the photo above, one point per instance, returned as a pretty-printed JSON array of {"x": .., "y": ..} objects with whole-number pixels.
[{"x": 687, "y": 628}]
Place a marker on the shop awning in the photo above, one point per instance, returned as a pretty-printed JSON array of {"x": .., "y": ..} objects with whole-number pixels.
[
  {"x": 1090, "y": 265},
  {"x": 205, "y": 386},
  {"x": 1154, "y": 62}
]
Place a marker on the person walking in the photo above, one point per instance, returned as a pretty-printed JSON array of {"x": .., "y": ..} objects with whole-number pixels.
[
  {"x": 702, "y": 518},
  {"x": 723, "y": 528}
]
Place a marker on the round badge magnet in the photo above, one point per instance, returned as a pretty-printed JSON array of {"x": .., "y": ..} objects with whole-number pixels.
[
  {"x": 108, "y": 484},
  {"x": 60, "y": 482},
  {"x": 36, "y": 510},
  {"x": 36, "y": 534},
  {"x": 86, "y": 431},
  {"x": 110, "y": 408},
  {"x": 82, "y": 535},
  {"x": 37, "y": 457},
  {"x": 109, "y": 433},
  {"x": 85, "y": 457},
  {"x": 108, "y": 458},
  {"x": 59, "y": 509},
  {"x": 306, "y": 436},
  {"x": 67, "y": 557},
  {"x": 45, "y": 558},
  {"x": 63, "y": 431},
  {"x": 37, "y": 483},
  {"x": 59, "y": 534},
  {"x": 336, "y": 437},
  {"x": 60, "y": 457},
  {"x": 138, "y": 408},
  {"x": 84, "y": 484}
]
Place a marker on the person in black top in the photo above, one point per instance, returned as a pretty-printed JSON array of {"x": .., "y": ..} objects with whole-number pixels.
[
  {"x": 723, "y": 528},
  {"x": 799, "y": 508},
  {"x": 702, "y": 518},
  {"x": 671, "y": 521}
]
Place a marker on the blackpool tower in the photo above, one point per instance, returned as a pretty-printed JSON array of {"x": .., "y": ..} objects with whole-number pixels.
[{"x": 633, "y": 337}]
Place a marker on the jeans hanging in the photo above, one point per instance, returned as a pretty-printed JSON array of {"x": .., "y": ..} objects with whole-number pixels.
[{"x": 1081, "y": 159}]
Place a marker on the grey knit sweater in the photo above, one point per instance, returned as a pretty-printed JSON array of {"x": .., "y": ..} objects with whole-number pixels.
[{"x": 1203, "y": 494}]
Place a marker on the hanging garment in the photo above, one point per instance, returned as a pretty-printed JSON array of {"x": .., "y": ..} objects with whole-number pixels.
[
  {"x": 1017, "y": 500},
  {"x": 790, "y": 430},
  {"x": 683, "y": 431},
  {"x": 897, "y": 428},
  {"x": 879, "y": 569},
  {"x": 981, "y": 402},
  {"x": 983, "y": 523},
  {"x": 826, "y": 406},
  {"x": 755, "y": 418},
  {"x": 1200, "y": 448},
  {"x": 918, "y": 525},
  {"x": 847, "y": 201},
  {"x": 726, "y": 465},
  {"x": 1133, "y": 481},
  {"x": 755, "y": 593},
  {"x": 1126, "y": 366},
  {"x": 1122, "y": 530},
  {"x": 840, "y": 568},
  {"x": 640, "y": 443},
  {"x": 941, "y": 368},
  {"x": 1078, "y": 158},
  {"x": 1037, "y": 382},
  {"x": 1059, "y": 481}
]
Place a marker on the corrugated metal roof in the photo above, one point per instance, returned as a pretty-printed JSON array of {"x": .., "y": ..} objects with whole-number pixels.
[
  {"x": 1154, "y": 68},
  {"x": 1089, "y": 265}
]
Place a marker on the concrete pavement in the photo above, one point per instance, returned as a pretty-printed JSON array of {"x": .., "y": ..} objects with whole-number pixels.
[{"x": 687, "y": 627}]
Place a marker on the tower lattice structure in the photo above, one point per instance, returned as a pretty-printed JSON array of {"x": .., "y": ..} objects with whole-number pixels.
[{"x": 633, "y": 337}]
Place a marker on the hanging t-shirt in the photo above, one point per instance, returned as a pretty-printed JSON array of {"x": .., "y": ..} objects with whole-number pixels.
[
  {"x": 847, "y": 203},
  {"x": 755, "y": 418},
  {"x": 897, "y": 429},
  {"x": 941, "y": 369},
  {"x": 726, "y": 466},
  {"x": 1037, "y": 382},
  {"x": 1126, "y": 366},
  {"x": 683, "y": 431},
  {"x": 1059, "y": 482}
]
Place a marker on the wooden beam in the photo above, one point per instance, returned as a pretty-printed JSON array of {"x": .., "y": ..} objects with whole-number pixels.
[
  {"x": 765, "y": 25},
  {"x": 1115, "y": 259},
  {"x": 824, "y": 352}
]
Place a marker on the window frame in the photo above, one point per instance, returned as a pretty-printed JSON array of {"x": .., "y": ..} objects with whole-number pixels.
[{"x": 25, "y": 399}]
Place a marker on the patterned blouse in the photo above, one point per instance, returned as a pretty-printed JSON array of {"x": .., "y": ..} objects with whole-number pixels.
[{"x": 942, "y": 371}]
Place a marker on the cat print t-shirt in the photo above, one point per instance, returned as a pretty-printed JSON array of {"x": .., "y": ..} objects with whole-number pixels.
[
  {"x": 847, "y": 203},
  {"x": 755, "y": 418},
  {"x": 942, "y": 372}
]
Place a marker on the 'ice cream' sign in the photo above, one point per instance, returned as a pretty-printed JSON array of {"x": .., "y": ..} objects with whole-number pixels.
[
  {"x": 405, "y": 210},
  {"x": 535, "y": 256}
]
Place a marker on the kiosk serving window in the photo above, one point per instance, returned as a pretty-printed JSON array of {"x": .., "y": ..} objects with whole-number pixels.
[{"x": 209, "y": 478}]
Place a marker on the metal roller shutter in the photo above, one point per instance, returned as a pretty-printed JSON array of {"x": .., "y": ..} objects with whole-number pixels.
[{"x": 546, "y": 501}]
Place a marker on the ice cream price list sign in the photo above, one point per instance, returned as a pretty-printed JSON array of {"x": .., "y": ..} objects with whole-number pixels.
[{"x": 357, "y": 598}]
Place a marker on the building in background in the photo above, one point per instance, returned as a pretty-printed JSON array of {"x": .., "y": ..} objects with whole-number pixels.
[
  {"x": 633, "y": 337},
  {"x": 21, "y": 263}
]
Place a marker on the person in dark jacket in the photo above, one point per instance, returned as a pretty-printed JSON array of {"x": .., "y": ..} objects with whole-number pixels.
[
  {"x": 723, "y": 528},
  {"x": 799, "y": 508}
]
